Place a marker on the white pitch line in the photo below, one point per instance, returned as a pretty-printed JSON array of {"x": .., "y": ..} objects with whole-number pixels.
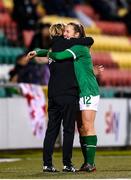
[
  {"x": 113, "y": 156},
  {"x": 2, "y": 160}
]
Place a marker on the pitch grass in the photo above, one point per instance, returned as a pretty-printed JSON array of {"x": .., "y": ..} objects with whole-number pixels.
[{"x": 110, "y": 164}]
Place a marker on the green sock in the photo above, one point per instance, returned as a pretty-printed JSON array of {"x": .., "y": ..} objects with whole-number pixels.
[
  {"x": 90, "y": 148},
  {"x": 83, "y": 148}
]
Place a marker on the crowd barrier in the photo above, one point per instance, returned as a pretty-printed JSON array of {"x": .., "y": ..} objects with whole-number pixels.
[{"x": 113, "y": 124}]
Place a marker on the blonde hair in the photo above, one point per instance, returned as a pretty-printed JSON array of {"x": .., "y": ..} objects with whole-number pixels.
[{"x": 57, "y": 29}]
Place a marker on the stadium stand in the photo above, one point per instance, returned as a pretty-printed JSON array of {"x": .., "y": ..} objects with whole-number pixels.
[{"x": 112, "y": 45}]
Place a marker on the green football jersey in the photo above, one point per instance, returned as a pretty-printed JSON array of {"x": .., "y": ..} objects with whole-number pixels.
[
  {"x": 84, "y": 71},
  {"x": 83, "y": 68}
]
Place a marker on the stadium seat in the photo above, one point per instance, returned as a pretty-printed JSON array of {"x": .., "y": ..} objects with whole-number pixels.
[
  {"x": 8, "y": 4},
  {"x": 4, "y": 18},
  {"x": 54, "y": 18},
  {"x": 123, "y": 59},
  {"x": 2, "y": 92},
  {"x": 28, "y": 35},
  {"x": 111, "y": 43},
  {"x": 1, "y": 5},
  {"x": 116, "y": 78},
  {"x": 87, "y": 10},
  {"x": 112, "y": 28},
  {"x": 107, "y": 92},
  {"x": 8, "y": 54},
  {"x": 104, "y": 58},
  {"x": 92, "y": 30},
  {"x": 10, "y": 30}
]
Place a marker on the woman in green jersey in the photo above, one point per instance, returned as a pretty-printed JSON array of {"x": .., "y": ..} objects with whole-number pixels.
[{"x": 89, "y": 92}]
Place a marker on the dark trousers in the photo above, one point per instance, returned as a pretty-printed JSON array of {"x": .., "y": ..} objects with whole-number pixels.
[{"x": 60, "y": 108}]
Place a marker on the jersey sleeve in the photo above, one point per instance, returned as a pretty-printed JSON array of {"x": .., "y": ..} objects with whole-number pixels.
[
  {"x": 61, "y": 55},
  {"x": 74, "y": 52},
  {"x": 41, "y": 52}
]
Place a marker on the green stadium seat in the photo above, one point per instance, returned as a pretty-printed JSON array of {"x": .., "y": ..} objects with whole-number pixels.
[
  {"x": 3, "y": 39},
  {"x": 2, "y": 92},
  {"x": 8, "y": 55},
  {"x": 107, "y": 92}
]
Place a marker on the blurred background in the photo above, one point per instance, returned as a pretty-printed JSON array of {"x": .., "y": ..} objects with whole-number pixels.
[{"x": 24, "y": 25}]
